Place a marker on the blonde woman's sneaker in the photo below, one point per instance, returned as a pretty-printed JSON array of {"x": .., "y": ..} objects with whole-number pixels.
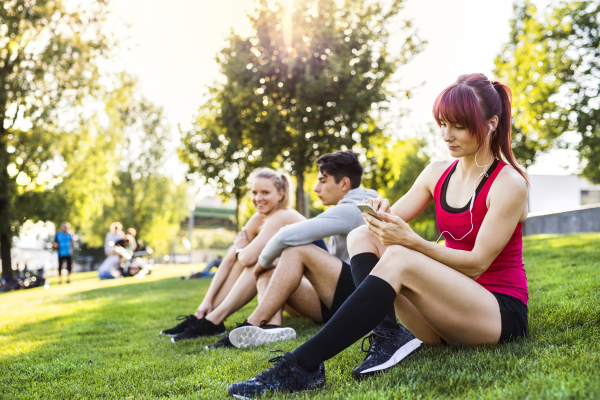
[
  {"x": 187, "y": 320},
  {"x": 247, "y": 335},
  {"x": 200, "y": 328}
]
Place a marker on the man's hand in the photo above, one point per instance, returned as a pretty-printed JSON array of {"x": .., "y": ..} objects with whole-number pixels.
[
  {"x": 379, "y": 204},
  {"x": 258, "y": 270},
  {"x": 392, "y": 230},
  {"x": 204, "y": 309},
  {"x": 241, "y": 240}
]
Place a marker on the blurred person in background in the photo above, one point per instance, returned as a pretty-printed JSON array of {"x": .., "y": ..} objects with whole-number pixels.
[
  {"x": 113, "y": 236},
  {"x": 64, "y": 243},
  {"x": 130, "y": 235}
]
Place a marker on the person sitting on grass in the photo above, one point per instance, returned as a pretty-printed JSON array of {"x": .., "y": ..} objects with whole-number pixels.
[
  {"x": 233, "y": 285},
  {"x": 309, "y": 281},
  {"x": 472, "y": 291}
]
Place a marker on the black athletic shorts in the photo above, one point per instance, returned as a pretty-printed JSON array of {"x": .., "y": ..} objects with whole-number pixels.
[
  {"x": 345, "y": 287},
  {"x": 513, "y": 313},
  {"x": 65, "y": 259}
]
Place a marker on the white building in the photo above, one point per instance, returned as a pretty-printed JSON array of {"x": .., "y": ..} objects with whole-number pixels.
[{"x": 560, "y": 192}]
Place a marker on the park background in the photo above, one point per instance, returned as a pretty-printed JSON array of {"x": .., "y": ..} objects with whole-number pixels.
[{"x": 143, "y": 111}]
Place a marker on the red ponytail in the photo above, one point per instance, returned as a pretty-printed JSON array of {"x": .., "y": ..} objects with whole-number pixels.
[
  {"x": 501, "y": 139},
  {"x": 471, "y": 101}
]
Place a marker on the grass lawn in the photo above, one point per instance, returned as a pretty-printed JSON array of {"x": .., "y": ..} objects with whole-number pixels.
[{"x": 94, "y": 339}]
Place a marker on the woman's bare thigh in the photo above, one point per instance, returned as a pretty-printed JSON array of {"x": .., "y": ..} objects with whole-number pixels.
[{"x": 456, "y": 307}]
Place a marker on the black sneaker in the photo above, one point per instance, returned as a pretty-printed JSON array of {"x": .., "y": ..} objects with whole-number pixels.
[
  {"x": 187, "y": 321},
  {"x": 200, "y": 328},
  {"x": 285, "y": 376},
  {"x": 387, "y": 348},
  {"x": 246, "y": 335},
  {"x": 223, "y": 343}
]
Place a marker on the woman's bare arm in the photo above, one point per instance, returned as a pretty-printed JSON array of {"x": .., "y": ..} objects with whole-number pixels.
[
  {"x": 252, "y": 229},
  {"x": 504, "y": 213},
  {"x": 249, "y": 256}
]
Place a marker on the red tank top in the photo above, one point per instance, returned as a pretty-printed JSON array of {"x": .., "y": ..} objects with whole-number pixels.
[{"x": 506, "y": 274}]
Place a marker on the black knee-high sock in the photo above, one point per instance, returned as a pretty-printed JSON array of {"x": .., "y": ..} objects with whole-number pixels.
[
  {"x": 359, "y": 314},
  {"x": 361, "y": 265}
]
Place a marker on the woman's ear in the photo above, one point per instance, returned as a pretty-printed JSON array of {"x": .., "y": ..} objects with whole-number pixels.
[{"x": 493, "y": 122}]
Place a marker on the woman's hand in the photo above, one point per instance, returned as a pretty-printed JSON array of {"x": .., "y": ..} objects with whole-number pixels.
[
  {"x": 241, "y": 240},
  {"x": 391, "y": 230},
  {"x": 379, "y": 204},
  {"x": 204, "y": 308},
  {"x": 258, "y": 270}
]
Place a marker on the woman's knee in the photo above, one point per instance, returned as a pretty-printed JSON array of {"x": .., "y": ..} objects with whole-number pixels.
[
  {"x": 395, "y": 259},
  {"x": 358, "y": 239}
]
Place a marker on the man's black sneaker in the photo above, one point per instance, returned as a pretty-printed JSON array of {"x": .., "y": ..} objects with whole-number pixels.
[
  {"x": 387, "y": 348},
  {"x": 246, "y": 335},
  {"x": 285, "y": 376},
  {"x": 200, "y": 328},
  {"x": 223, "y": 343},
  {"x": 186, "y": 322}
]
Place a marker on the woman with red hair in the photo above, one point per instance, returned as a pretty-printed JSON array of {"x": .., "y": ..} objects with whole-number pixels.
[{"x": 470, "y": 292}]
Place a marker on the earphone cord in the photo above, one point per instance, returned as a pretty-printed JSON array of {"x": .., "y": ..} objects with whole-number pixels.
[{"x": 485, "y": 168}]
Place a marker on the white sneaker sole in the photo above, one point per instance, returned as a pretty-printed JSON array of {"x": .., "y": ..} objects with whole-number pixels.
[
  {"x": 248, "y": 336},
  {"x": 402, "y": 353}
]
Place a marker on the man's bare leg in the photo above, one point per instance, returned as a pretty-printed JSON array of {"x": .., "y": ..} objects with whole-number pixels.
[
  {"x": 305, "y": 298},
  {"x": 261, "y": 287},
  {"x": 320, "y": 268}
]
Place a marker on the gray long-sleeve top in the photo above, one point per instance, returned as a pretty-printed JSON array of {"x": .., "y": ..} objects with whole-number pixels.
[{"x": 335, "y": 223}]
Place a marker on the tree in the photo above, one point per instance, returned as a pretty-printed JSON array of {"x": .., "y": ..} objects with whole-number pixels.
[
  {"x": 142, "y": 196},
  {"x": 48, "y": 55},
  {"x": 552, "y": 64},
  {"x": 309, "y": 80},
  {"x": 392, "y": 168}
]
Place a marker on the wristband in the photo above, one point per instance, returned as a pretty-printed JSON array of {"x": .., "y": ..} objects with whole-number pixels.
[{"x": 238, "y": 251}]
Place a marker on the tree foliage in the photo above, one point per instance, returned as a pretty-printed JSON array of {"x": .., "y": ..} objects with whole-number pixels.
[
  {"x": 141, "y": 194},
  {"x": 393, "y": 166},
  {"x": 308, "y": 81},
  {"x": 552, "y": 64},
  {"x": 48, "y": 64}
]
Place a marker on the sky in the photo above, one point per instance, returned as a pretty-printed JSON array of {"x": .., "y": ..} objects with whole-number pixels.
[{"x": 173, "y": 43}]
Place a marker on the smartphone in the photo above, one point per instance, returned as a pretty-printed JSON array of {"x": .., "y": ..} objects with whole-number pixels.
[{"x": 365, "y": 208}]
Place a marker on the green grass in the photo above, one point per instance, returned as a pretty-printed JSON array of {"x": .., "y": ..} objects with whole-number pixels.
[{"x": 94, "y": 339}]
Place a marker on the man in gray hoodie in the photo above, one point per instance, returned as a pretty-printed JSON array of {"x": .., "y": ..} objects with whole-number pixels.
[{"x": 308, "y": 280}]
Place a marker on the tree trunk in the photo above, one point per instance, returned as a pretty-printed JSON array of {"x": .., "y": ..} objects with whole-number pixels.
[
  {"x": 5, "y": 245},
  {"x": 5, "y": 203},
  {"x": 238, "y": 197},
  {"x": 301, "y": 203}
]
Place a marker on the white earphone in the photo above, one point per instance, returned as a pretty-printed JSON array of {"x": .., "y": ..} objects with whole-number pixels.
[{"x": 485, "y": 167}]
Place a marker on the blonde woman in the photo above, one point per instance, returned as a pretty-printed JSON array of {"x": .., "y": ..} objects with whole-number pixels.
[{"x": 234, "y": 285}]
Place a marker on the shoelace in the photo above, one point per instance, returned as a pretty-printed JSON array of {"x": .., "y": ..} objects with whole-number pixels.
[
  {"x": 374, "y": 338},
  {"x": 182, "y": 317},
  {"x": 281, "y": 367}
]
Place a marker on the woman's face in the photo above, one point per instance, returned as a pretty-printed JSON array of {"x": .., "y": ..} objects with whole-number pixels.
[
  {"x": 460, "y": 142},
  {"x": 265, "y": 195}
]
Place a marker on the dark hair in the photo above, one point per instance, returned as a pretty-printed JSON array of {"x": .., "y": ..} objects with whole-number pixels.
[
  {"x": 471, "y": 101},
  {"x": 341, "y": 164}
]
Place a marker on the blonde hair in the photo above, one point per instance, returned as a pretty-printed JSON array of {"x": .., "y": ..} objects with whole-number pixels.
[
  {"x": 115, "y": 227},
  {"x": 280, "y": 181}
]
